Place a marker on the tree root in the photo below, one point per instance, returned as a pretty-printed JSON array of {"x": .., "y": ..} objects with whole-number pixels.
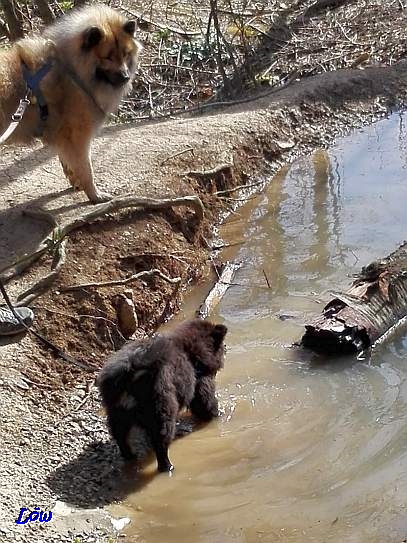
[
  {"x": 52, "y": 241},
  {"x": 140, "y": 275},
  {"x": 221, "y": 168},
  {"x": 28, "y": 296}
]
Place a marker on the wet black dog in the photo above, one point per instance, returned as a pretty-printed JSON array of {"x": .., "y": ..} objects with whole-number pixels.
[{"x": 148, "y": 382}]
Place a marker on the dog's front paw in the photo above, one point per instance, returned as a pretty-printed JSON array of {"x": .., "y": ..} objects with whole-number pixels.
[{"x": 99, "y": 197}]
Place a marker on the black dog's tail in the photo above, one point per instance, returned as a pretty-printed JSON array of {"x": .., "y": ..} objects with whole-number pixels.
[{"x": 131, "y": 363}]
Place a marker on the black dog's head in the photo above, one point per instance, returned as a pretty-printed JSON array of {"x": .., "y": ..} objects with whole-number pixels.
[{"x": 203, "y": 343}]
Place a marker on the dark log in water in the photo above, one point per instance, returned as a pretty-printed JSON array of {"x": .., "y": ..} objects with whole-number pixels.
[{"x": 367, "y": 312}]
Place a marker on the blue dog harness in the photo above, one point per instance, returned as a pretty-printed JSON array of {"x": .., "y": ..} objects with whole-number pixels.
[{"x": 32, "y": 81}]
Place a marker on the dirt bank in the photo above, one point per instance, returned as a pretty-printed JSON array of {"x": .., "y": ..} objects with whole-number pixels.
[{"x": 53, "y": 439}]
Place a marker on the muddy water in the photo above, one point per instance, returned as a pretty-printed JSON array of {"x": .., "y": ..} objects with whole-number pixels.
[{"x": 307, "y": 449}]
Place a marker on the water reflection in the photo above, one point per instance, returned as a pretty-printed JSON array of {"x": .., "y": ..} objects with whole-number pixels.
[{"x": 302, "y": 453}]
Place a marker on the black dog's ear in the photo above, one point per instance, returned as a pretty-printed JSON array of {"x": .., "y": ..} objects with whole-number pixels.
[
  {"x": 218, "y": 334},
  {"x": 91, "y": 37},
  {"x": 130, "y": 27}
]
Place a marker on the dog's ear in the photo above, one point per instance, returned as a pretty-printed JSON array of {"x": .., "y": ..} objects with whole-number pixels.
[
  {"x": 130, "y": 27},
  {"x": 218, "y": 334},
  {"x": 91, "y": 37}
]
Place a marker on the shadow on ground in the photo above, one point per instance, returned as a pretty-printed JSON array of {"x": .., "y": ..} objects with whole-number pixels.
[
  {"x": 21, "y": 233},
  {"x": 24, "y": 165},
  {"x": 98, "y": 477}
]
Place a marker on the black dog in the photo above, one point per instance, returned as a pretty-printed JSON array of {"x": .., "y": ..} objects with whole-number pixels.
[{"x": 148, "y": 382}]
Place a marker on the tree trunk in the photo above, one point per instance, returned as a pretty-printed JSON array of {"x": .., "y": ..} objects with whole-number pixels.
[
  {"x": 367, "y": 312},
  {"x": 13, "y": 20},
  {"x": 46, "y": 13}
]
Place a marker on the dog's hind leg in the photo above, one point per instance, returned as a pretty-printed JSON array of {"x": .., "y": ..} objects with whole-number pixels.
[
  {"x": 204, "y": 405},
  {"x": 161, "y": 431},
  {"x": 160, "y": 446},
  {"x": 120, "y": 423}
]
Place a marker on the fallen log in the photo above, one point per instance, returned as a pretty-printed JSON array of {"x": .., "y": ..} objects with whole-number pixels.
[
  {"x": 364, "y": 315},
  {"x": 218, "y": 291}
]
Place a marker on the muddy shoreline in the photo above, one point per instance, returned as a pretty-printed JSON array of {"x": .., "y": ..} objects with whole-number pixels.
[{"x": 53, "y": 434}]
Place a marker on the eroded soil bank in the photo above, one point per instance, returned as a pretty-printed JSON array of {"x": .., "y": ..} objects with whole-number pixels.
[{"x": 54, "y": 443}]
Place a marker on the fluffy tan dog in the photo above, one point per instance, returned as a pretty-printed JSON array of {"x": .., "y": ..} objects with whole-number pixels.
[{"x": 81, "y": 67}]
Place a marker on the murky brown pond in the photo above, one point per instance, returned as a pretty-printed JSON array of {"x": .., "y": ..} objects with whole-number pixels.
[{"x": 303, "y": 452}]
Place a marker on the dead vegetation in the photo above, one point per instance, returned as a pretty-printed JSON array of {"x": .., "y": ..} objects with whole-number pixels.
[{"x": 192, "y": 56}]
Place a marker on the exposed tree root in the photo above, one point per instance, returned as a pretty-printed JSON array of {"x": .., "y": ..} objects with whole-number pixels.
[
  {"x": 52, "y": 241},
  {"x": 227, "y": 167},
  {"x": 131, "y": 279},
  {"x": 26, "y": 297}
]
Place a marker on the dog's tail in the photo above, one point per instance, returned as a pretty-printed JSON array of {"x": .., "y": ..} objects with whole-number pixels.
[{"x": 134, "y": 361}]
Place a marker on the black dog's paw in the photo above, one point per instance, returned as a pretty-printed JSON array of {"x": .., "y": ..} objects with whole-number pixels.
[{"x": 166, "y": 467}]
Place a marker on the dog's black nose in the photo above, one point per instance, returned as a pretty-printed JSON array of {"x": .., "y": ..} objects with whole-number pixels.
[
  {"x": 116, "y": 79},
  {"x": 123, "y": 76},
  {"x": 119, "y": 78}
]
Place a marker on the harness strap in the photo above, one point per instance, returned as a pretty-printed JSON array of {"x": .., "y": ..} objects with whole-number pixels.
[
  {"x": 79, "y": 83},
  {"x": 33, "y": 81}
]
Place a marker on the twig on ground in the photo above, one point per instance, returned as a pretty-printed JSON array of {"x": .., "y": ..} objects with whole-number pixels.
[
  {"x": 266, "y": 278},
  {"x": 29, "y": 380},
  {"x": 86, "y": 398},
  {"x": 177, "y": 154}
]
